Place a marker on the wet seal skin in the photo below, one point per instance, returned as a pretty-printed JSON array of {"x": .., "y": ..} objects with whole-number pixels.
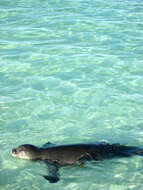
[{"x": 56, "y": 156}]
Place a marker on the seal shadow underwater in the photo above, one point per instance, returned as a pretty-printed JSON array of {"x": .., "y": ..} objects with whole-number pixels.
[{"x": 57, "y": 156}]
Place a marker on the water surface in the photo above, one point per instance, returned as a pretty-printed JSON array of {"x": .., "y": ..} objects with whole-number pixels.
[{"x": 70, "y": 72}]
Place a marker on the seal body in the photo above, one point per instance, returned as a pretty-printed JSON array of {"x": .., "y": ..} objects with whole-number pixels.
[{"x": 61, "y": 155}]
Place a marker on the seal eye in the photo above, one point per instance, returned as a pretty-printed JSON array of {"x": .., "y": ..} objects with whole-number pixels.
[{"x": 20, "y": 149}]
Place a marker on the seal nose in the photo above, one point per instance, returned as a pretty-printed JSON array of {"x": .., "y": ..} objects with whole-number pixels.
[{"x": 13, "y": 151}]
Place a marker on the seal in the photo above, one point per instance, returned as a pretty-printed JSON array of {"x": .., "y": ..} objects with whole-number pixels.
[{"x": 56, "y": 156}]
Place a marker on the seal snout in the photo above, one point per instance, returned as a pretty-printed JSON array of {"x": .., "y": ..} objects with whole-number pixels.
[{"x": 13, "y": 151}]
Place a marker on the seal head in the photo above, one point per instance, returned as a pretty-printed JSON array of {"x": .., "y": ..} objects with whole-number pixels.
[{"x": 26, "y": 151}]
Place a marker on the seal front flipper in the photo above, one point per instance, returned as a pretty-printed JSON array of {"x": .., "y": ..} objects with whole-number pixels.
[
  {"x": 51, "y": 179},
  {"x": 53, "y": 175},
  {"x": 86, "y": 157}
]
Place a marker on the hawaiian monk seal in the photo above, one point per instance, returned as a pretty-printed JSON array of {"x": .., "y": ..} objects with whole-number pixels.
[{"x": 56, "y": 156}]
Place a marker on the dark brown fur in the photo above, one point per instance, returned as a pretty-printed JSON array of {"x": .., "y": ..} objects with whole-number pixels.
[{"x": 61, "y": 155}]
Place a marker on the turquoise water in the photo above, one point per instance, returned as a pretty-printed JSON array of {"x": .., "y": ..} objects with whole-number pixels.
[{"x": 70, "y": 72}]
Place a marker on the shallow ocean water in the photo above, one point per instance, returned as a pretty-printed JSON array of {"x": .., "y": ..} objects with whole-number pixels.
[{"x": 71, "y": 72}]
